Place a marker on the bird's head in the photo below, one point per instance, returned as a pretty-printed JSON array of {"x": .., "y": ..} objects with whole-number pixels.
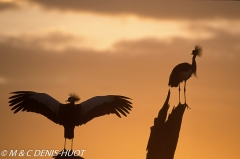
[
  {"x": 197, "y": 51},
  {"x": 73, "y": 98}
]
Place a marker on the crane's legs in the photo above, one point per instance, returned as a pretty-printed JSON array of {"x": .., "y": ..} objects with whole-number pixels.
[
  {"x": 179, "y": 92},
  {"x": 185, "y": 92},
  {"x": 185, "y": 95},
  {"x": 65, "y": 144}
]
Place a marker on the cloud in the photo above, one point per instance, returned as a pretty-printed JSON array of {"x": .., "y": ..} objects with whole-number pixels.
[
  {"x": 7, "y": 5},
  {"x": 101, "y": 36},
  {"x": 20, "y": 58},
  {"x": 48, "y": 42},
  {"x": 139, "y": 64},
  {"x": 54, "y": 40},
  {"x": 152, "y": 9}
]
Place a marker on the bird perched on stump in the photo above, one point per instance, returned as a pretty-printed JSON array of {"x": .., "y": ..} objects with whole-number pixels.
[
  {"x": 183, "y": 71},
  {"x": 69, "y": 115}
]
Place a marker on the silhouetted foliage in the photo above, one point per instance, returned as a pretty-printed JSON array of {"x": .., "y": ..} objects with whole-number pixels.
[{"x": 164, "y": 135}]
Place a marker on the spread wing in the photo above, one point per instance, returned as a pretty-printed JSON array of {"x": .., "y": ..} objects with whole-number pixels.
[
  {"x": 40, "y": 103},
  {"x": 103, "y": 105}
]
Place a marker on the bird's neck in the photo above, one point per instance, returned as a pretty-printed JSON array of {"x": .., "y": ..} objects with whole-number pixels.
[{"x": 194, "y": 65}]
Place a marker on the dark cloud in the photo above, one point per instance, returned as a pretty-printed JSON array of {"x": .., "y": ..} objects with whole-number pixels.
[
  {"x": 152, "y": 9},
  {"x": 7, "y": 5},
  {"x": 29, "y": 63},
  {"x": 58, "y": 37},
  {"x": 54, "y": 39}
]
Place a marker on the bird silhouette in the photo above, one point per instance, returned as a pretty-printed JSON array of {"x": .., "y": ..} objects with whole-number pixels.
[
  {"x": 69, "y": 115},
  {"x": 183, "y": 71}
]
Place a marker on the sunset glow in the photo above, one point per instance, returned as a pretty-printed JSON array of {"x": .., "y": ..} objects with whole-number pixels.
[{"x": 126, "y": 48}]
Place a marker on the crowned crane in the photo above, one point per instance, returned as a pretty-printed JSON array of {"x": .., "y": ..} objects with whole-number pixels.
[
  {"x": 69, "y": 115},
  {"x": 183, "y": 71}
]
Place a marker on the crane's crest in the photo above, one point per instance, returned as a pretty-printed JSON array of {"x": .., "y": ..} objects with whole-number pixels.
[
  {"x": 197, "y": 51},
  {"x": 74, "y": 96}
]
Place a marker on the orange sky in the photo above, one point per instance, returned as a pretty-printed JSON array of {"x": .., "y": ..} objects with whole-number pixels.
[{"x": 127, "y": 48}]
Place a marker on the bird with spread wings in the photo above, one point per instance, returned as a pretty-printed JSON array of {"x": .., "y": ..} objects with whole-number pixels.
[{"x": 69, "y": 115}]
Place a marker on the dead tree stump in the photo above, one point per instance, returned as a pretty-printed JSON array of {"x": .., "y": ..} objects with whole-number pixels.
[{"x": 164, "y": 134}]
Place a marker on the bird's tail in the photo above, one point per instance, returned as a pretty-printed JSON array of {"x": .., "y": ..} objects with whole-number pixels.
[
  {"x": 198, "y": 50},
  {"x": 69, "y": 131}
]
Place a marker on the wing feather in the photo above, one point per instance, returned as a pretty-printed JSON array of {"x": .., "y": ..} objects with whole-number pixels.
[
  {"x": 121, "y": 111},
  {"x": 125, "y": 110},
  {"x": 40, "y": 103},
  {"x": 103, "y": 105}
]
